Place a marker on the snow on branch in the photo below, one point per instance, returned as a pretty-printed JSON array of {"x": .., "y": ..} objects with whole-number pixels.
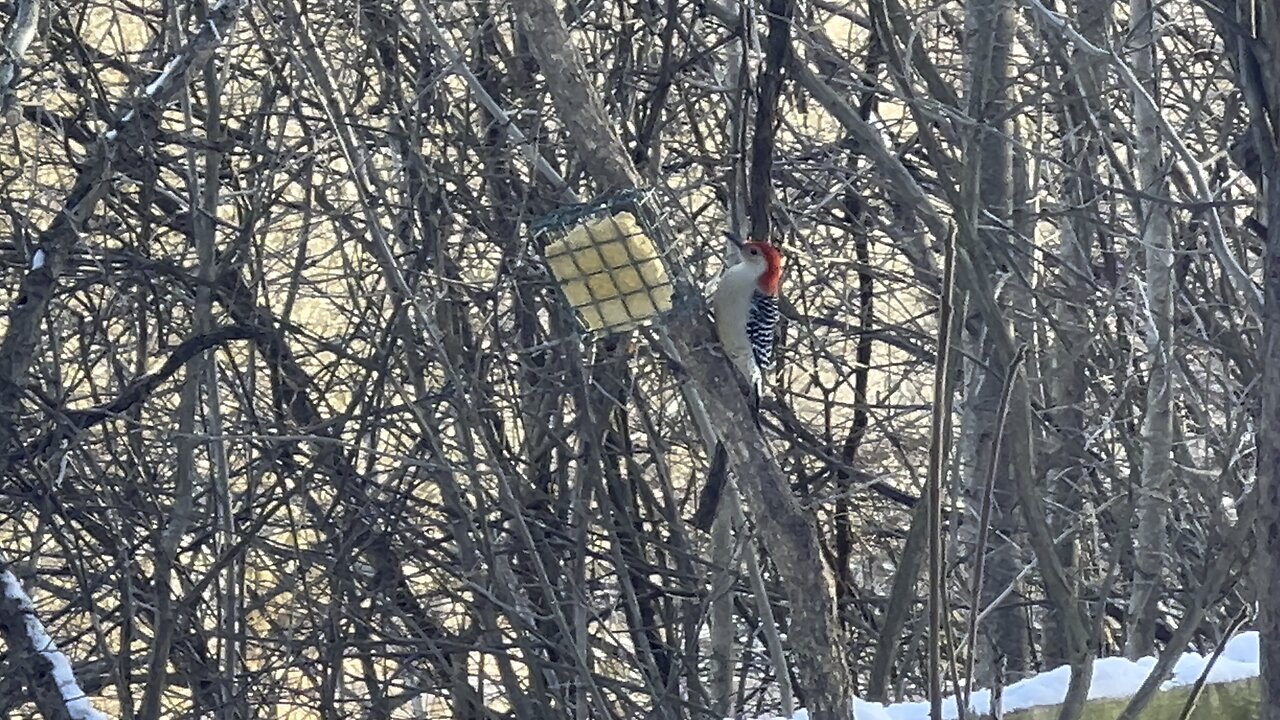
[
  {"x": 14, "y": 43},
  {"x": 30, "y": 638},
  {"x": 210, "y": 36}
]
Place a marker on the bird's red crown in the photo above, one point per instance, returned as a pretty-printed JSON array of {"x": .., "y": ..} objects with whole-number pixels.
[{"x": 771, "y": 278}]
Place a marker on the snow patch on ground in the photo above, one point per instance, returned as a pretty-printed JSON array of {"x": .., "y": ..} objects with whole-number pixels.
[{"x": 1113, "y": 677}]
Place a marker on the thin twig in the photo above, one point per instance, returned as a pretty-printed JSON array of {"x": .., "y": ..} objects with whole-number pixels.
[
  {"x": 1196, "y": 689},
  {"x": 1239, "y": 279},
  {"x": 940, "y": 426},
  {"x": 984, "y": 523}
]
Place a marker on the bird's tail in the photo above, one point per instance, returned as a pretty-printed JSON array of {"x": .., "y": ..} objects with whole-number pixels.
[{"x": 709, "y": 499}]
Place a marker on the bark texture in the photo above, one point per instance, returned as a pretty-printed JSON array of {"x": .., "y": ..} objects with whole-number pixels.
[
  {"x": 1067, "y": 364},
  {"x": 989, "y": 174},
  {"x": 1151, "y": 542},
  {"x": 1250, "y": 30},
  {"x": 1264, "y": 89}
]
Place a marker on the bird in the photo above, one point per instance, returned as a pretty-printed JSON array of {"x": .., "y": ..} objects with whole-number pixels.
[{"x": 745, "y": 305}]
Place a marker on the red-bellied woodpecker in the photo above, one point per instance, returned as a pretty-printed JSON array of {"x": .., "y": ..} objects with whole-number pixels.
[{"x": 746, "y": 309}]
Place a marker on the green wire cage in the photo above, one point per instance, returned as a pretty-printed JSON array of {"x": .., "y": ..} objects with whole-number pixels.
[{"x": 607, "y": 258}]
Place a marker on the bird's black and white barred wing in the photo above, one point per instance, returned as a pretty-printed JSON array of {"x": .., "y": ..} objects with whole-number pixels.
[{"x": 761, "y": 324}]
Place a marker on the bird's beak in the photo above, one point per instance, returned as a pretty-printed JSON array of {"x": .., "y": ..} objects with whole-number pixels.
[{"x": 734, "y": 239}]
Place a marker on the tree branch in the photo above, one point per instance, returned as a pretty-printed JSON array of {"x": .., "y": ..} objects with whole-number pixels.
[
  {"x": 49, "y": 676},
  {"x": 21, "y": 336},
  {"x": 137, "y": 391}
]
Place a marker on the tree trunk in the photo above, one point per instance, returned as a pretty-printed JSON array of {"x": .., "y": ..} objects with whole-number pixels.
[
  {"x": 1066, "y": 371},
  {"x": 721, "y": 619},
  {"x": 1250, "y": 30},
  {"x": 988, "y": 157},
  {"x": 1263, "y": 89},
  {"x": 1151, "y": 542},
  {"x": 1268, "y": 523}
]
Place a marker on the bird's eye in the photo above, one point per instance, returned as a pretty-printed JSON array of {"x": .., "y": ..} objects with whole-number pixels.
[{"x": 754, "y": 251}]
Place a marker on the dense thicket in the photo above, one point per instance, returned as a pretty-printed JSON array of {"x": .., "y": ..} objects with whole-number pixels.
[{"x": 293, "y": 421}]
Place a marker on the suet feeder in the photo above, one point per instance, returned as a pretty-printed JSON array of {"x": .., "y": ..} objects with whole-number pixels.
[{"x": 605, "y": 257}]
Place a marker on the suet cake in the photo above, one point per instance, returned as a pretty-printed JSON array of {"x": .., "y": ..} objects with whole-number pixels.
[{"x": 610, "y": 271}]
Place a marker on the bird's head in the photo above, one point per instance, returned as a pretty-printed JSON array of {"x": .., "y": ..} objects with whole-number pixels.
[{"x": 769, "y": 260}]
